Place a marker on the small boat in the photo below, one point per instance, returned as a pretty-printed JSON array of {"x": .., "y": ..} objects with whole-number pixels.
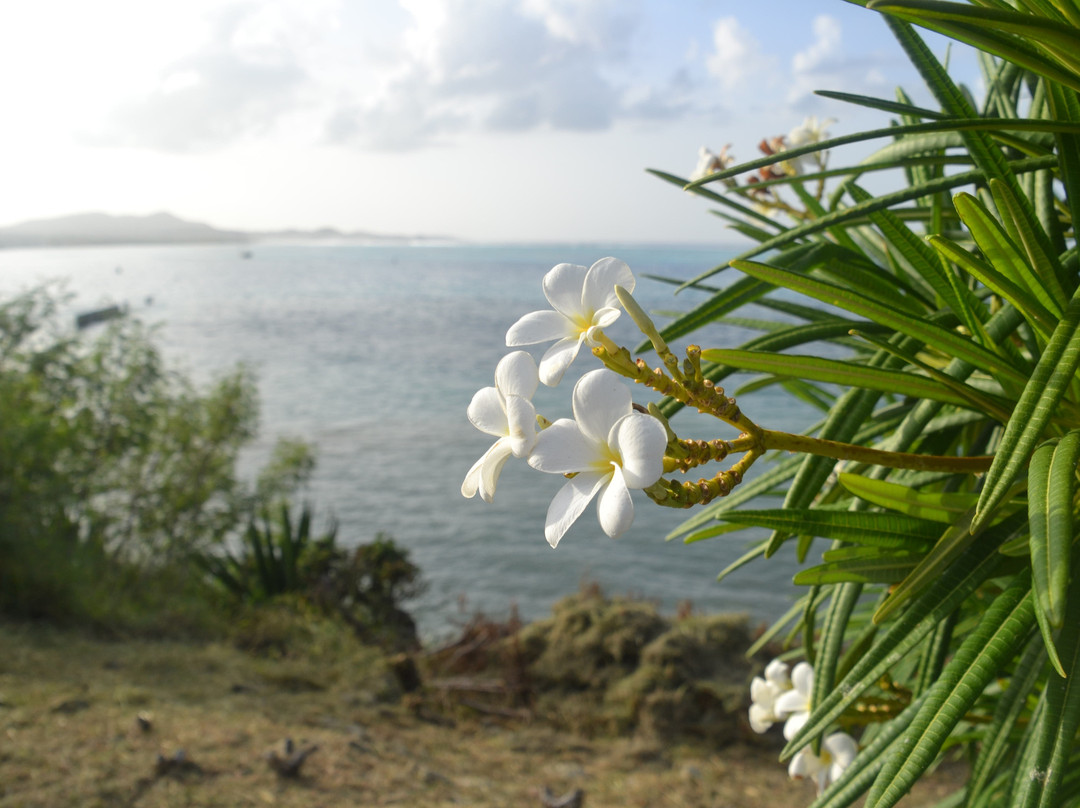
[{"x": 89, "y": 318}]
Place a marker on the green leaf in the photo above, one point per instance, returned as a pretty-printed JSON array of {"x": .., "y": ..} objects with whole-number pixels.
[
  {"x": 1002, "y": 253},
  {"x": 755, "y": 552},
  {"x": 1051, "y": 486},
  {"x": 952, "y": 544},
  {"x": 882, "y": 104},
  {"x": 947, "y": 125},
  {"x": 1039, "y": 45},
  {"x": 767, "y": 483},
  {"x": 1055, "y": 733},
  {"x": 948, "y": 342},
  {"x": 1044, "y": 264},
  {"x": 1033, "y": 311},
  {"x": 945, "y": 594},
  {"x": 857, "y": 777},
  {"x": 1003, "y": 628},
  {"x": 933, "y": 505},
  {"x": 834, "y": 371},
  {"x": 883, "y": 530},
  {"x": 864, "y": 565},
  {"x": 861, "y": 210},
  {"x": 1052, "y": 375},
  {"x": 995, "y": 742}
]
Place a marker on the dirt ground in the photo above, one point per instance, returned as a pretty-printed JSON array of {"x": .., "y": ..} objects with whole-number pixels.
[{"x": 90, "y": 723}]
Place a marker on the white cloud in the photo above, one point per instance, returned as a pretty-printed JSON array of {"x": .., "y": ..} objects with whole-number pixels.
[
  {"x": 737, "y": 57},
  {"x": 826, "y": 64},
  {"x": 502, "y": 65},
  {"x": 241, "y": 81},
  {"x": 825, "y": 46}
]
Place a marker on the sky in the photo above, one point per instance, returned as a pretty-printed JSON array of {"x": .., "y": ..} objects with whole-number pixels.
[{"x": 484, "y": 120}]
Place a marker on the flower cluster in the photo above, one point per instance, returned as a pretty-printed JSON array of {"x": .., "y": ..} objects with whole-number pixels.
[
  {"x": 783, "y": 695},
  {"x": 608, "y": 448},
  {"x": 766, "y": 199}
]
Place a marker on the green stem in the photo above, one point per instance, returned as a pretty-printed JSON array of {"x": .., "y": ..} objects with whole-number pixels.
[{"x": 785, "y": 441}]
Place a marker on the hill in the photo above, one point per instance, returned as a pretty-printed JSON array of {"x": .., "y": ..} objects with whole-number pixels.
[{"x": 86, "y": 229}]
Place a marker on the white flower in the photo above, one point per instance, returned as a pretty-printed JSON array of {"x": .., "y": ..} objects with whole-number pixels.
[
  {"x": 583, "y": 300},
  {"x": 809, "y": 131},
  {"x": 609, "y": 448},
  {"x": 837, "y": 752},
  {"x": 505, "y": 411},
  {"x": 794, "y": 704},
  {"x": 709, "y": 163},
  {"x": 763, "y": 695}
]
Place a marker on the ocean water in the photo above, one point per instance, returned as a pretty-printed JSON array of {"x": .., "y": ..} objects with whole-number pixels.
[{"x": 372, "y": 353}]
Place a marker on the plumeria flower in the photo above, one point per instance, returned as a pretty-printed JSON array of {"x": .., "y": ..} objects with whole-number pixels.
[
  {"x": 506, "y": 412},
  {"x": 809, "y": 131},
  {"x": 763, "y": 695},
  {"x": 583, "y": 300},
  {"x": 837, "y": 752},
  {"x": 608, "y": 447},
  {"x": 794, "y": 704},
  {"x": 709, "y": 163}
]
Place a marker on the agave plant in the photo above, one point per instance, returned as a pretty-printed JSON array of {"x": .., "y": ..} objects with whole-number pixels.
[
  {"x": 946, "y": 607},
  {"x": 273, "y": 557}
]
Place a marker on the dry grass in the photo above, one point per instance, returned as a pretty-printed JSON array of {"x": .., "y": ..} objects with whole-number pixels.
[{"x": 82, "y": 723}]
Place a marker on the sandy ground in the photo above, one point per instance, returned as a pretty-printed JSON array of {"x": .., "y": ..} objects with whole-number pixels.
[{"x": 137, "y": 723}]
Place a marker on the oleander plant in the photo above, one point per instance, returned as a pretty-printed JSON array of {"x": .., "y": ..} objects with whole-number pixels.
[{"x": 935, "y": 328}]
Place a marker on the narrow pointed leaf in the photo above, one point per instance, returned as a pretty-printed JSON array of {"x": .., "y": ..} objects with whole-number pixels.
[
  {"x": 932, "y": 505},
  {"x": 944, "y": 595},
  {"x": 863, "y": 565},
  {"x": 887, "y": 530},
  {"x": 948, "y": 342},
  {"x": 1003, "y": 628},
  {"x": 1054, "y": 372}
]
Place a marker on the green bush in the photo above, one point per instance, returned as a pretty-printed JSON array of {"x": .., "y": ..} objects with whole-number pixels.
[{"x": 113, "y": 469}]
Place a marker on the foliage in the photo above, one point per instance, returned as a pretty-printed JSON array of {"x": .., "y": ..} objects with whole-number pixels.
[
  {"x": 273, "y": 557},
  {"x": 107, "y": 460},
  {"x": 946, "y": 608},
  {"x": 365, "y": 587}
]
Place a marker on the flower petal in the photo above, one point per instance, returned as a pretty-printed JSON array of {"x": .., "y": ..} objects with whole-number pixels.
[
  {"x": 804, "y": 764},
  {"x": 615, "y": 508},
  {"x": 761, "y": 692},
  {"x": 516, "y": 375},
  {"x": 794, "y": 724},
  {"x": 802, "y": 679},
  {"x": 492, "y": 463},
  {"x": 600, "y": 400},
  {"x": 599, "y": 287},
  {"x": 539, "y": 326},
  {"x": 521, "y": 420},
  {"x": 568, "y": 504},
  {"x": 471, "y": 483},
  {"x": 761, "y": 718},
  {"x": 602, "y": 318},
  {"x": 486, "y": 412},
  {"x": 790, "y": 702},
  {"x": 639, "y": 440},
  {"x": 562, "y": 449},
  {"x": 557, "y": 359},
  {"x": 563, "y": 288},
  {"x": 843, "y": 749},
  {"x": 776, "y": 674}
]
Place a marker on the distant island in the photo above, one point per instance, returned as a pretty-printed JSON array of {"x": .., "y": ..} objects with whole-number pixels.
[{"x": 89, "y": 229}]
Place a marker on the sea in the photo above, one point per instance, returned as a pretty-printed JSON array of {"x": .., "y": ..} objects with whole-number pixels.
[{"x": 372, "y": 353}]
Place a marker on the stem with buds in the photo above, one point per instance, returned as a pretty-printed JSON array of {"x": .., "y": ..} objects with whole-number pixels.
[{"x": 685, "y": 383}]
